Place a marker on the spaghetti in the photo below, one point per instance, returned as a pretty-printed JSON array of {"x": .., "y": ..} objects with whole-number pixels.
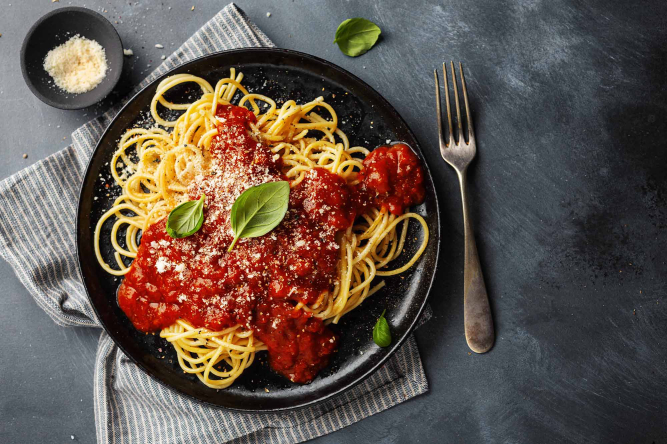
[{"x": 158, "y": 168}]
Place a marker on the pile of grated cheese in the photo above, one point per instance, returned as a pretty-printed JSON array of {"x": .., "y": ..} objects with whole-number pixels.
[{"x": 78, "y": 65}]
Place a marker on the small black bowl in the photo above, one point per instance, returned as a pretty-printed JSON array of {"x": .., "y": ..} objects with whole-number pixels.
[{"x": 54, "y": 29}]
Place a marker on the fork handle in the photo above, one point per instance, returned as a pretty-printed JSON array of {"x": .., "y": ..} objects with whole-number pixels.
[{"x": 476, "y": 309}]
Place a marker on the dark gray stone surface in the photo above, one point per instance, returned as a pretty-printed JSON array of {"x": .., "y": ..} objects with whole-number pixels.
[{"x": 569, "y": 194}]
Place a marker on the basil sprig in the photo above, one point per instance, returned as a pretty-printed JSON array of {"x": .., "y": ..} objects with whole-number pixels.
[
  {"x": 381, "y": 333},
  {"x": 357, "y": 35},
  {"x": 186, "y": 219},
  {"x": 259, "y": 210}
]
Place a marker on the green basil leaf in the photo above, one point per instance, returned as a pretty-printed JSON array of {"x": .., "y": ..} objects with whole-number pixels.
[
  {"x": 186, "y": 219},
  {"x": 259, "y": 210},
  {"x": 355, "y": 36},
  {"x": 381, "y": 333}
]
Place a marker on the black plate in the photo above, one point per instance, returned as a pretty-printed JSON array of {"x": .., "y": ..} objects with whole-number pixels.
[
  {"x": 54, "y": 29},
  {"x": 368, "y": 120}
]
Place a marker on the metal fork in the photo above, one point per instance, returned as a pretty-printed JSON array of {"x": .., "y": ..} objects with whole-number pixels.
[{"x": 476, "y": 309}]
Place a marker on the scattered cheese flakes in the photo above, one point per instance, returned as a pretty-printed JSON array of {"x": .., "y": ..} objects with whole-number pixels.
[{"x": 162, "y": 264}]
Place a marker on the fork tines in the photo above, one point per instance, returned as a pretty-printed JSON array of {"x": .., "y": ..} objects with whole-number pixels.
[{"x": 451, "y": 139}]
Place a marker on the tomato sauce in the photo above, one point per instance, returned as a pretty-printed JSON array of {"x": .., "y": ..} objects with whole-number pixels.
[
  {"x": 392, "y": 178},
  {"x": 261, "y": 280}
]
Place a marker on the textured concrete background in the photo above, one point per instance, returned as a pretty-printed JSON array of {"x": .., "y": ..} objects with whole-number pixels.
[{"x": 569, "y": 194}]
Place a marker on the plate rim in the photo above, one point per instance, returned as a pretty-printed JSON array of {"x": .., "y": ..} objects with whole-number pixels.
[{"x": 394, "y": 347}]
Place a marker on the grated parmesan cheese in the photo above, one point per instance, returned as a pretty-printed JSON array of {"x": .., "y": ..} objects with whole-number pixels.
[
  {"x": 162, "y": 264},
  {"x": 78, "y": 65}
]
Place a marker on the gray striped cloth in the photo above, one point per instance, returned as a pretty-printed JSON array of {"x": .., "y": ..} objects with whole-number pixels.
[{"x": 37, "y": 238}]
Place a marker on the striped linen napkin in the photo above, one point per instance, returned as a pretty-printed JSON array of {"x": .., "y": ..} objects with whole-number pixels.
[{"x": 37, "y": 238}]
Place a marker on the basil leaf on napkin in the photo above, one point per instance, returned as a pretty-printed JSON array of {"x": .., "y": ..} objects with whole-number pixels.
[
  {"x": 259, "y": 209},
  {"x": 186, "y": 219},
  {"x": 381, "y": 333},
  {"x": 357, "y": 35}
]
